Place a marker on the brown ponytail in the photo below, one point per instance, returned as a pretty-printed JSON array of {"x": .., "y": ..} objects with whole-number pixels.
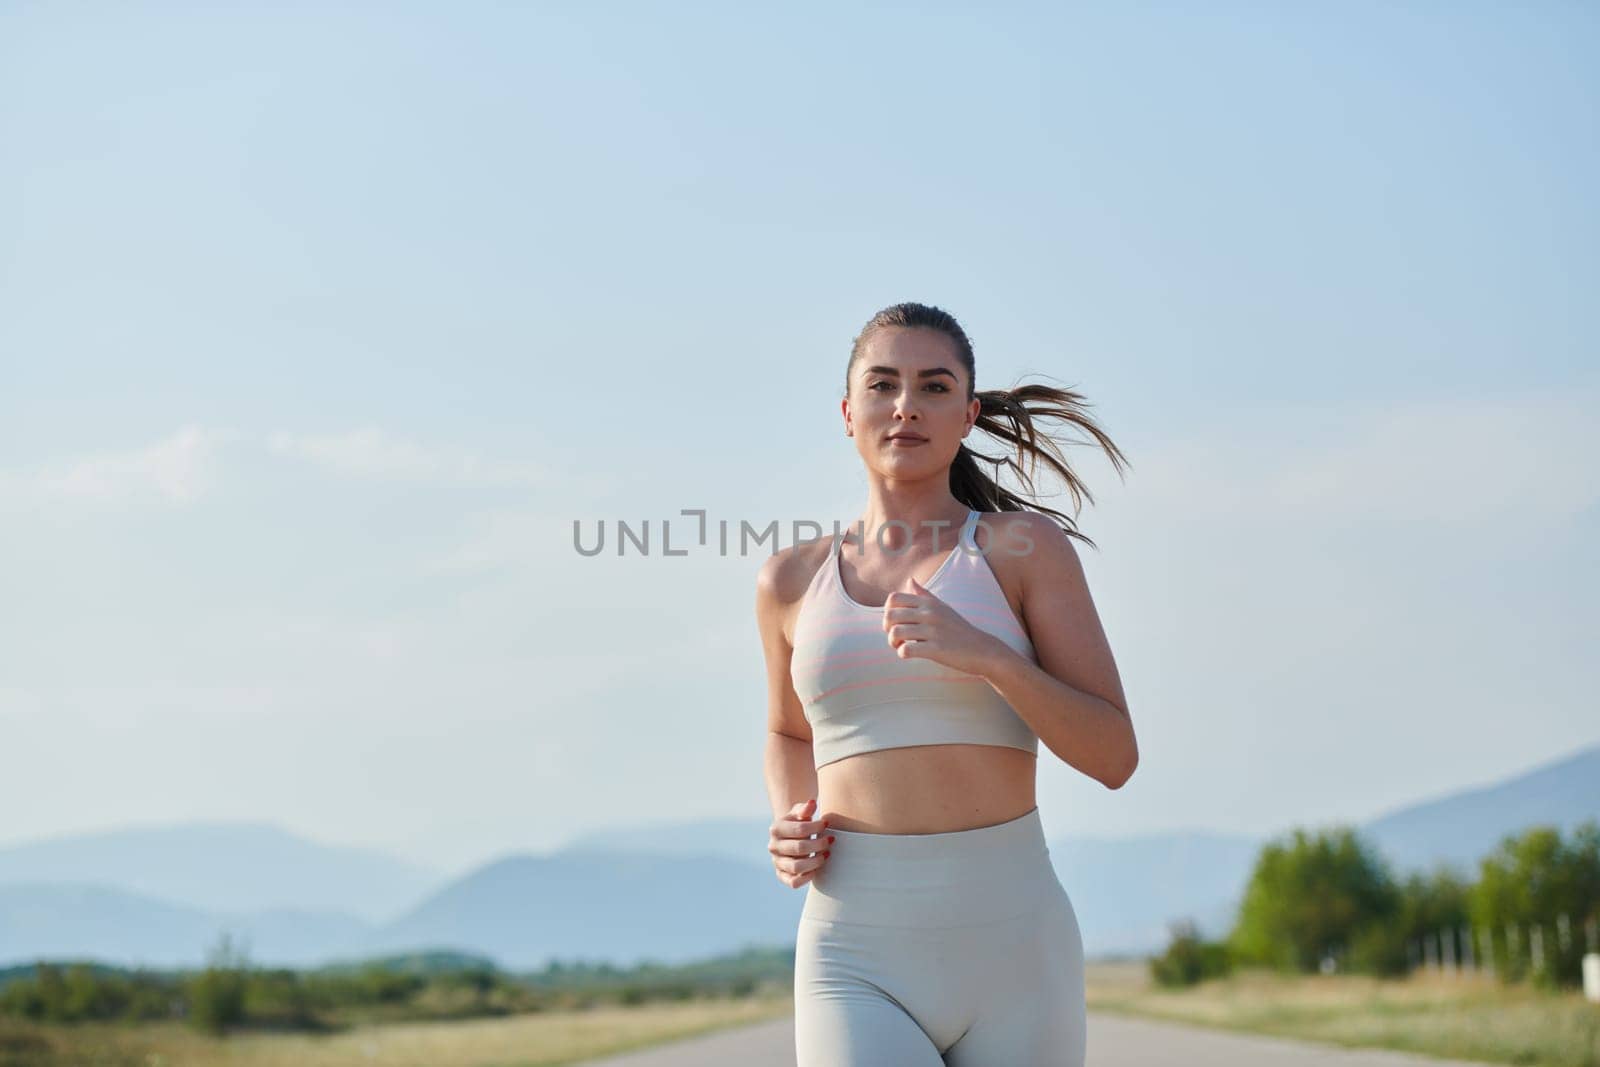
[{"x": 1010, "y": 415}]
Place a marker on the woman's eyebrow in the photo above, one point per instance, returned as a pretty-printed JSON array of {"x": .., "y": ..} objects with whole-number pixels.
[{"x": 920, "y": 374}]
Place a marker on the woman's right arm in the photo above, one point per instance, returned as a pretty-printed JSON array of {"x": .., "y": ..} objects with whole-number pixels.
[{"x": 790, "y": 771}]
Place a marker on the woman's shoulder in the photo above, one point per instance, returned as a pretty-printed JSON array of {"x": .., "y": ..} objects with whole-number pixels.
[
  {"x": 1016, "y": 532},
  {"x": 784, "y": 577},
  {"x": 1018, "y": 544}
]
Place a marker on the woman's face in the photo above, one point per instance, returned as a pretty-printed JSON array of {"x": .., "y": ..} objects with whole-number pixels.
[{"x": 907, "y": 405}]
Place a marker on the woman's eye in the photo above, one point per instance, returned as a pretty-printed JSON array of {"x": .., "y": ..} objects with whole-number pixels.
[{"x": 932, "y": 385}]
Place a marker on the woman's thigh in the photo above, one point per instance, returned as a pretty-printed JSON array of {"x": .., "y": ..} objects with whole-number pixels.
[
  {"x": 1033, "y": 1011},
  {"x": 845, "y": 1014}
]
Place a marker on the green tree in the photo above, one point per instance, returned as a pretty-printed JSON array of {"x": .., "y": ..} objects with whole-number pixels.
[
  {"x": 1530, "y": 880},
  {"x": 1311, "y": 895},
  {"x": 1189, "y": 958},
  {"x": 1427, "y": 905},
  {"x": 217, "y": 994}
]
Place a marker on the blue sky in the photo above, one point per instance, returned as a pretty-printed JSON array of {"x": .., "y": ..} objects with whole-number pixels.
[{"x": 319, "y": 329}]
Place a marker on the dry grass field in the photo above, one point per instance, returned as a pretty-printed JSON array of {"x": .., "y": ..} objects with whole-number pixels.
[
  {"x": 536, "y": 1040},
  {"x": 1465, "y": 1018}
]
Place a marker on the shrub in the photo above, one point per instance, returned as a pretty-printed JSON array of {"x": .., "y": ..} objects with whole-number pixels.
[{"x": 1189, "y": 958}]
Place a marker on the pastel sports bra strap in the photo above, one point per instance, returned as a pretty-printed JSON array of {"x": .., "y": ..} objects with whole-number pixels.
[{"x": 969, "y": 529}]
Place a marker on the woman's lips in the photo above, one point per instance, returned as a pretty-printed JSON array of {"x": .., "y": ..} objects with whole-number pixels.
[{"x": 907, "y": 442}]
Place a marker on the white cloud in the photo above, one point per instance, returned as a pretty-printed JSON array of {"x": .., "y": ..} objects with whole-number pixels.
[
  {"x": 185, "y": 465},
  {"x": 179, "y": 467},
  {"x": 1452, "y": 460},
  {"x": 1458, "y": 460},
  {"x": 372, "y": 453}
]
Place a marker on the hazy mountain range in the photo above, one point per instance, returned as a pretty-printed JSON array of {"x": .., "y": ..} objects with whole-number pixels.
[{"x": 162, "y": 896}]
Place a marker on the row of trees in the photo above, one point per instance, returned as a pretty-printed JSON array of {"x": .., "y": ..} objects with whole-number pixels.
[
  {"x": 230, "y": 993},
  {"x": 1326, "y": 900}
]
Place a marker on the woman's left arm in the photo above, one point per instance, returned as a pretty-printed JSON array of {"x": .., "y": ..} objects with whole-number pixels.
[{"x": 1072, "y": 698}]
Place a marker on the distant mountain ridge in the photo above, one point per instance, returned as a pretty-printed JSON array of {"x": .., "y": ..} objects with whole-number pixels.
[
  {"x": 1459, "y": 829},
  {"x": 221, "y": 866},
  {"x": 631, "y": 894}
]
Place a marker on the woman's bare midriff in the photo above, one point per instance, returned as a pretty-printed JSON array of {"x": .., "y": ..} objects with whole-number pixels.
[{"x": 926, "y": 789}]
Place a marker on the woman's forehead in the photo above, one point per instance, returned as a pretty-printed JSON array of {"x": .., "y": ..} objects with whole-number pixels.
[
  {"x": 914, "y": 344},
  {"x": 912, "y": 359}
]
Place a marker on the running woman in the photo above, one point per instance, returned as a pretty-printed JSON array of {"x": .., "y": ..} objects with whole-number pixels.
[{"x": 914, "y": 663}]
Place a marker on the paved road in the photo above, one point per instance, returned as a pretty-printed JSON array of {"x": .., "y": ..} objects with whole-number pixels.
[{"x": 1114, "y": 1041}]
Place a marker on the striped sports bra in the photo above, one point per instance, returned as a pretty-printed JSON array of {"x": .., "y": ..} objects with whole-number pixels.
[{"x": 859, "y": 696}]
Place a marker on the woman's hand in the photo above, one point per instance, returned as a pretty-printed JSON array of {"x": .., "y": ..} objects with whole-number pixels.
[
  {"x": 921, "y": 626},
  {"x": 796, "y": 855}
]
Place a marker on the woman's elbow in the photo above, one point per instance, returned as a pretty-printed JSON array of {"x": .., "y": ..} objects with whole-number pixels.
[{"x": 1130, "y": 764}]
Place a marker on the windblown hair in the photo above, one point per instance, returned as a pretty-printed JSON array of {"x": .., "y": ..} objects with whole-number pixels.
[{"x": 1009, "y": 415}]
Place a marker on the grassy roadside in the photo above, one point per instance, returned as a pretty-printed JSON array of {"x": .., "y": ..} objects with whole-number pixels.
[
  {"x": 544, "y": 1039},
  {"x": 1461, "y": 1018}
]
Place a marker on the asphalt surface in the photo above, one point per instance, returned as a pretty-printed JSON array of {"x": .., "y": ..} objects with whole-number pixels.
[{"x": 1114, "y": 1041}]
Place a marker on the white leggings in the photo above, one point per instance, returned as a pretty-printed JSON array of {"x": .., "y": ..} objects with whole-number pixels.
[{"x": 921, "y": 950}]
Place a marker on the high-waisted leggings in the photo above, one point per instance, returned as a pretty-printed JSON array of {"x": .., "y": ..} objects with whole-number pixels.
[{"x": 917, "y": 950}]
